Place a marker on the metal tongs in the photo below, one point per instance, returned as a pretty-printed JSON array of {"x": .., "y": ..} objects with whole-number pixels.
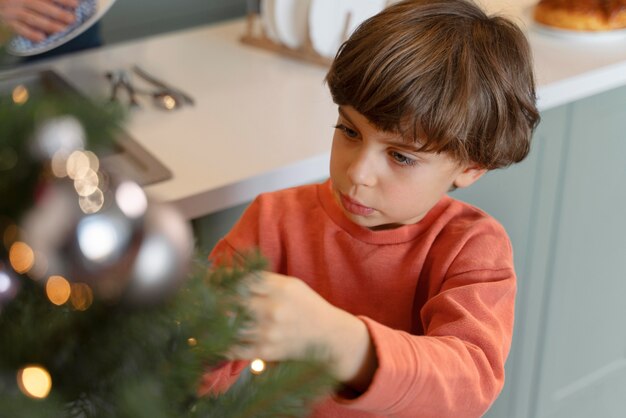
[
  {"x": 121, "y": 78},
  {"x": 166, "y": 88}
]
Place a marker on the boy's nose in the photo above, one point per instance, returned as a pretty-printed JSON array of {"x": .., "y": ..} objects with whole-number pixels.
[{"x": 361, "y": 170}]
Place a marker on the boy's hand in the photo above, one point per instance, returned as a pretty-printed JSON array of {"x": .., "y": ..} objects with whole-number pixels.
[
  {"x": 291, "y": 318},
  {"x": 36, "y": 19}
]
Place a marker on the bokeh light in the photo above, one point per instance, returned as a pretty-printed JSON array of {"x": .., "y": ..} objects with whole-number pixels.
[
  {"x": 81, "y": 296},
  {"x": 131, "y": 199},
  {"x": 20, "y": 94},
  {"x": 58, "y": 290},
  {"x": 192, "y": 342},
  {"x": 58, "y": 163},
  {"x": 77, "y": 165},
  {"x": 101, "y": 238},
  {"x": 87, "y": 183},
  {"x": 61, "y": 134},
  {"x": 257, "y": 366},
  {"x": 9, "y": 286},
  {"x": 94, "y": 161},
  {"x": 34, "y": 381},
  {"x": 169, "y": 102},
  {"x": 5, "y": 282},
  {"x": 92, "y": 203},
  {"x": 21, "y": 257}
]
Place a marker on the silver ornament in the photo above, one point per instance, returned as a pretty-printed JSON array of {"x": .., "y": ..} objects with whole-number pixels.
[{"x": 164, "y": 256}]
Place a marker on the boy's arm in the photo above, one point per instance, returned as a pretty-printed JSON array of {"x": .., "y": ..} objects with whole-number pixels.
[{"x": 457, "y": 367}]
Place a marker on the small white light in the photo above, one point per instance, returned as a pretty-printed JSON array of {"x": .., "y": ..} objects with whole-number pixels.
[
  {"x": 61, "y": 133},
  {"x": 5, "y": 282},
  {"x": 131, "y": 199},
  {"x": 257, "y": 366},
  {"x": 34, "y": 381},
  {"x": 98, "y": 237},
  {"x": 92, "y": 203},
  {"x": 87, "y": 183}
]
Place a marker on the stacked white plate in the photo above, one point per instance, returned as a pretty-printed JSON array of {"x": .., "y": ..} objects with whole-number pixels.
[
  {"x": 327, "y": 21},
  {"x": 287, "y": 21}
]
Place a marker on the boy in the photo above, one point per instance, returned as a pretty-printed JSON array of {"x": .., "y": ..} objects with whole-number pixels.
[{"x": 410, "y": 290}]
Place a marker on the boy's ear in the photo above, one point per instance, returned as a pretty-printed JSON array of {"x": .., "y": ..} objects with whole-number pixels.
[{"x": 468, "y": 176}]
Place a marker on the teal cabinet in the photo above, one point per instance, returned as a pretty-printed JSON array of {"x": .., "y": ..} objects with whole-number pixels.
[
  {"x": 564, "y": 209},
  {"x": 139, "y": 18}
]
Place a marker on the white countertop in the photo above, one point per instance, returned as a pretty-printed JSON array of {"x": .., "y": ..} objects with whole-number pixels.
[{"x": 263, "y": 122}]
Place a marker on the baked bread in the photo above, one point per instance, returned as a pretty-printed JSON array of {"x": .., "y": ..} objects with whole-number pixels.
[{"x": 582, "y": 15}]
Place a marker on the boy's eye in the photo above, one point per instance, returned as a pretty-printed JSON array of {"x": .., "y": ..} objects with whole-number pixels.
[
  {"x": 350, "y": 133},
  {"x": 402, "y": 159}
]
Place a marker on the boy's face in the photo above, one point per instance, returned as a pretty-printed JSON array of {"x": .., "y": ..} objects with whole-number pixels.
[{"x": 382, "y": 182}]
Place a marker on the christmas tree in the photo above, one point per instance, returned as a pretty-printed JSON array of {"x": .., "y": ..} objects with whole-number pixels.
[{"x": 105, "y": 310}]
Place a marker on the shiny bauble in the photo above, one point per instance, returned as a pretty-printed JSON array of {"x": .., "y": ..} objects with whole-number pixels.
[
  {"x": 129, "y": 250},
  {"x": 164, "y": 256}
]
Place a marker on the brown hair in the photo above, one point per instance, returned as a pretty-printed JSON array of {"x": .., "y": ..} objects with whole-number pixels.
[{"x": 445, "y": 69}]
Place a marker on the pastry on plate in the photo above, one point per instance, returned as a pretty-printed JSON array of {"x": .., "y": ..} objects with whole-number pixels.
[{"x": 582, "y": 15}]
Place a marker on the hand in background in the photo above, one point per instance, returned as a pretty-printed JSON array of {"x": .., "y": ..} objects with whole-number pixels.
[
  {"x": 291, "y": 318},
  {"x": 36, "y": 19}
]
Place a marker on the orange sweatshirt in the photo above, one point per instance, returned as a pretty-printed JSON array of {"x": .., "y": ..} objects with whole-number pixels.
[{"x": 437, "y": 297}]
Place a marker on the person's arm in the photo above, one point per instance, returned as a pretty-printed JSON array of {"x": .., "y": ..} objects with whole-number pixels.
[
  {"x": 457, "y": 368},
  {"x": 36, "y": 19}
]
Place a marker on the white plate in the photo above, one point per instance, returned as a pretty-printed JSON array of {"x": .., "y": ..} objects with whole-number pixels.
[
  {"x": 601, "y": 36},
  {"x": 24, "y": 48},
  {"x": 573, "y": 35},
  {"x": 267, "y": 19},
  {"x": 290, "y": 18},
  {"x": 327, "y": 21}
]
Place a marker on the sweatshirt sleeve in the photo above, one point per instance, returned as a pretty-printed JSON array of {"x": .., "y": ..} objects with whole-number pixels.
[{"x": 457, "y": 367}]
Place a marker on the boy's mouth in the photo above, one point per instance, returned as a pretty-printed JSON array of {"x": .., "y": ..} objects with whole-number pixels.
[{"x": 354, "y": 207}]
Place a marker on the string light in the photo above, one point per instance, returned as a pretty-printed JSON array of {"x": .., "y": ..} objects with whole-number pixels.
[
  {"x": 21, "y": 257},
  {"x": 169, "y": 102},
  {"x": 92, "y": 203},
  {"x": 257, "y": 366},
  {"x": 34, "y": 381},
  {"x": 81, "y": 296},
  {"x": 58, "y": 290},
  {"x": 87, "y": 183},
  {"x": 58, "y": 163},
  {"x": 77, "y": 165},
  {"x": 20, "y": 94},
  {"x": 131, "y": 199}
]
